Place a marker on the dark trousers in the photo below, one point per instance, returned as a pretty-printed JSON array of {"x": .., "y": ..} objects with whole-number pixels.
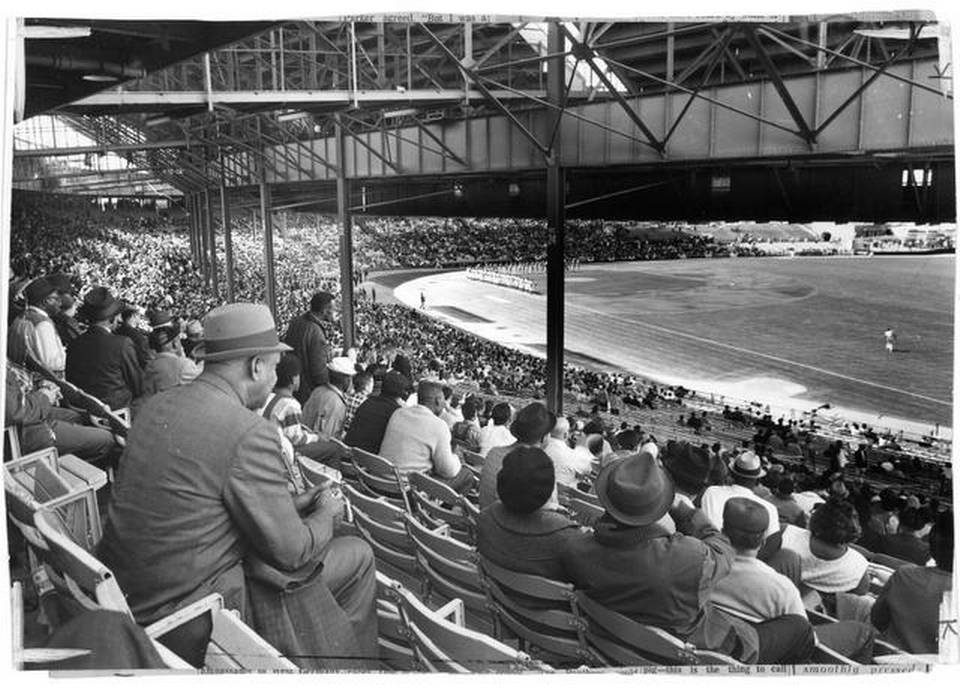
[
  {"x": 71, "y": 436},
  {"x": 786, "y": 639},
  {"x": 463, "y": 482}
]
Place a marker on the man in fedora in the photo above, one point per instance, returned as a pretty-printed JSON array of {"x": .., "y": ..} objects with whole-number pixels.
[
  {"x": 169, "y": 367},
  {"x": 311, "y": 336},
  {"x": 68, "y": 328},
  {"x": 417, "y": 439},
  {"x": 745, "y": 472},
  {"x": 202, "y": 498},
  {"x": 33, "y": 334},
  {"x": 688, "y": 466},
  {"x": 635, "y": 566},
  {"x": 100, "y": 362},
  {"x": 531, "y": 427}
]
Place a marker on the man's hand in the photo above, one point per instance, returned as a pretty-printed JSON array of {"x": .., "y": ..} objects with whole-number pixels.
[{"x": 328, "y": 500}]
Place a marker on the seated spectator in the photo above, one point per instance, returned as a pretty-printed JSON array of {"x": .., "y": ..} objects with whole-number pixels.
[
  {"x": 33, "y": 334},
  {"x": 909, "y": 609},
  {"x": 634, "y": 566},
  {"x": 451, "y": 412},
  {"x": 745, "y": 472},
  {"x": 203, "y": 516},
  {"x": 790, "y": 512},
  {"x": 518, "y": 532},
  {"x": 370, "y": 421},
  {"x": 41, "y": 423},
  {"x": 169, "y": 367},
  {"x": 466, "y": 432},
  {"x": 530, "y": 428},
  {"x": 568, "y": 466},
  {"x": 362, "y": 388},
  {"x": 883, "y": 520},
  {"x": 68, "y": 328},
  {"x": 496, "y": 434},
  {"x": 827, "y": 563},
  {"x": 907, "y": 544},
  {"x": 417, "y": 440},
  {"x": 688, "y": 466},
  {"x": 758, "y": 591},
  {"x": 326, "y": 409},
  {"x": 100, "y": 362},
  {"x": 131, "y": 321},
  {"x": 283, "y": 408},
  {"x": 193, "y": 337}
]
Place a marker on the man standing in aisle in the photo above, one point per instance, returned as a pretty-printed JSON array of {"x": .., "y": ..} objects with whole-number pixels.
[{"x": 311, "y": 336}]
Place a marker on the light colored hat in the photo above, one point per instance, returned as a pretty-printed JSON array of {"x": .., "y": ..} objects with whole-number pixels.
[
  {"x": 238, "y": 330},
  {"x": 747, "y": 465},
  {"x": 342, "y": 365}
]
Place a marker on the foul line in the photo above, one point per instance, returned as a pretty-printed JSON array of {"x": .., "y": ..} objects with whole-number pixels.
[{"x": 751, "y": 352}]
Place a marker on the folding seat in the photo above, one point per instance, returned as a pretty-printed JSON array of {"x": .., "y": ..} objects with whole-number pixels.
[
  {"x": 436, "y": 503},
  {"x": 380, "y": 477},
  {"x": 382, "y": 525}
]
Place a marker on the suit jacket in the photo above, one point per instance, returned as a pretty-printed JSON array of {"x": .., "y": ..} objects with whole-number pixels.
[
  {"x": 105, "y": 365},
  {"x": 310, "y": 339},
  {"x": 201, "y": 486},
  {"x": 532, "y": 543},
  {"x": 140, "y": 343}
]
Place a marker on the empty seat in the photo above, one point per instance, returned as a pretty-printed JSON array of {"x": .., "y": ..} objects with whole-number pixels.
[
  {"x": 436, "y": 503},
  {"x": 379, "y": 476}
]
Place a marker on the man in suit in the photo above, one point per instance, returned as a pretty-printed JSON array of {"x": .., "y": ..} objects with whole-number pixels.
[
  {"x": 33, "y": 334},
  {"x": 201, "y": 505},
  {"x": 310, "y": 335},
  {"x": 100, "y": 362}
]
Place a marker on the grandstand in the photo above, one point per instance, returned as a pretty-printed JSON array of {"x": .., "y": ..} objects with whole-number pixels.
[{"x": 434, "y": 317}]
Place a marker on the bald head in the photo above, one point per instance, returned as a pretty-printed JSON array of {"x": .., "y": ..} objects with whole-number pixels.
[
  {"x": 430, "y": 394},
  {"x": 561, "y": 429}
]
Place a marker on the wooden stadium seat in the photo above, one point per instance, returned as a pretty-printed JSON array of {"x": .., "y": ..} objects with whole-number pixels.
[
  {"x": 396, "y": 652},
  {"x": 450, "y": 570},
  {"x": 442, "y": 644},
  {"x": 586, "y": 513},
  {"x": 36, "y": 656},
  {"x": 90, "y": 585},
  {"x": 883, "y": 651},
  {"x": 315, "y": 472},
  {"x": 379, "y": 476},
  {"x": 621, "y": 641},
  {"x": 436, "y": 503},
  {"x": 540, "y": 612},
  {"x": 344, "y": 460},
  {"x": 472, "y": 459},
  {"x": 569, "y": 492},
  {"x": 382, "y": 524}
]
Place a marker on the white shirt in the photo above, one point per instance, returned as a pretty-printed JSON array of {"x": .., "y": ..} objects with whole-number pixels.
[
  {"x": 44, "y": 344},
  {"x": 716, "y": 496},
  {"x": 566, "y": 463},
  {"x": 417, "y": 440},
  {"x": 830, "y": 576},
  {"x": 756, "y": 589},
  {"x": 495, "y": 436}
]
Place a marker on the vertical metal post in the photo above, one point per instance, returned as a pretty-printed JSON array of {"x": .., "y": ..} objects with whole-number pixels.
[
  {"x": 212, "y": 242},
  {"x": 227, "y": 242},
  {"x": 556, "y": 200},
  {"x": 345, "y": 221},
  {"x": 269, "y": 273},
  {"x": 191, "y": 226}
]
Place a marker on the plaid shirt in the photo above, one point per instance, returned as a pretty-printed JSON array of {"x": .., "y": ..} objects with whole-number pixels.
[{"x": 353, "y": 403}]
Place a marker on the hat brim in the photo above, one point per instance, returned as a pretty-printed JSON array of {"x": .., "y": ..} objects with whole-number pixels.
[
  {"x": 101, "y": 313},
  {"x": 200, "y": 352},
  {"x": 759, "y": 473},
  {"x": 645, "y": 519}
]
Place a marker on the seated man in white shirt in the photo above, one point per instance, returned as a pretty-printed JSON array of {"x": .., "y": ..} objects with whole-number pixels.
[
  {"x": 33, "y": 334},
  {"x": 496, "y": 433},
  {"x": 417, "y": 439},
  {"x": 567, "y": 464},
  {"x": 757, "y": 591}
]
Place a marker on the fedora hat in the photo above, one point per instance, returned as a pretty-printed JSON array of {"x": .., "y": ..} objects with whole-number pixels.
[
  {"x": 160, "y": 318},
  {"x": 635, "y": 490},
  {"x": 39, "y": 290},
  {"x": 688, "y": 464},
  {"x": 238, "y": 330},
  {"x": 532, "y": 422},
  {"x": 99, "y": 304},
  {"x": 747, "y": 465}
]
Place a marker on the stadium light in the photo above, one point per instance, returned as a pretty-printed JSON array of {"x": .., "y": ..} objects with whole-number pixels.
[{"x": 458, "y": 190}]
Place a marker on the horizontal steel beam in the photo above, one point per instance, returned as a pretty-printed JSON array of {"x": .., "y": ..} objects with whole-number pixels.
[
  {"x": 277, "y": 99},
  {"x": 103, "y": 148}
]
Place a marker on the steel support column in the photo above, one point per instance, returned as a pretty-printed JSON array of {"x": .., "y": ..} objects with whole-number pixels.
[
  {"x": 227, "y": 242},
  {"x": 555, "y": 233},
  {"x": 212, "y": 243},
  {"x": 345, "y": 221},
  {"x": 269, "y": 273}
]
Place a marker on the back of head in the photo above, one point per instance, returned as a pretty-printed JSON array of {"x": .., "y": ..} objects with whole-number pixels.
[
  {"x": 744, "y": 522},
  {"x": 287, "y": 369},
  {"x": 561, "y": 429},
  {"x": 395, "y": 385},
  {"x": 532, "y": 423},
  {"x": 785, "y": 487},
  {"x": 688, "y": 465},
  {"x": 429, "y": 393},
  {"x": 469, "y": 409},
  {"x": 320, "y": 301},
  {"x": 911, "y": 519},
  {"x": 835, "y": 522},
  {"x": 501, "y": 413},
  {"x": 362, "y": 381},
  {"x": 628, "y": 440},
  {"x": 161, "y": 337},
  {"x": 526, "y": 481}
]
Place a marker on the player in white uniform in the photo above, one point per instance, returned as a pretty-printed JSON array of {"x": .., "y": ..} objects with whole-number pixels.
[{"x": 890, "y": 338}]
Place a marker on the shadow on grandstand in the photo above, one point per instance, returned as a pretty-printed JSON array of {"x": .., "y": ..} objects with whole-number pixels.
[{"x": 458, "y": 314}]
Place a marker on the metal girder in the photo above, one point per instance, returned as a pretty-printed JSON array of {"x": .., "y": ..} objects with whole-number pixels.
[
  {"x": 227, "y": 243},
  {"x": 587, "y": 54},
  {"x": 473, "y": 75},
  {"x": 357, "y": 138},
  {"x": 345, "y": 221},
  {"x": 774, "y": 74},
  {"x": 449, "y": 152},
  {"x": 268, "y": 258},
  {"x": 100, "y": 148},
  {"x": 444, "y": 152},
  {"x": 556, "y": 231}
]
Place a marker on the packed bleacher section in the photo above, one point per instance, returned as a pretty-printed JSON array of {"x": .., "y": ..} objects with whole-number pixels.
[{"x": 363, "y": 490}]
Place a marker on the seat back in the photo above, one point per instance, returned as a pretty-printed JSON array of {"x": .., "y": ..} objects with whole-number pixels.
[
  {"x": 472, "y": 459},
  {"x": 11, "y": 443},
  {"x": 34, "y": 482},
  {"x": 396, "y": 652},
  {"x": 584, "y": 512},
  {"x": 444, "y": 646},
  {"x": 344, "y": 460},
  {"x": 379, "y": 476},
  {"x": 540, "y": 612},
  {"x": 381, "y": 523},
  {"x": 569, "y": 492},
  {"x": 436, "y": 503},
  {"x": 118, "y": 422},
  {"x": 315, "y": 472},
  {"x": 449, "y": 566},
  {"x": 88, "y": 581},
  {"x": 625, "y": 642}
]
